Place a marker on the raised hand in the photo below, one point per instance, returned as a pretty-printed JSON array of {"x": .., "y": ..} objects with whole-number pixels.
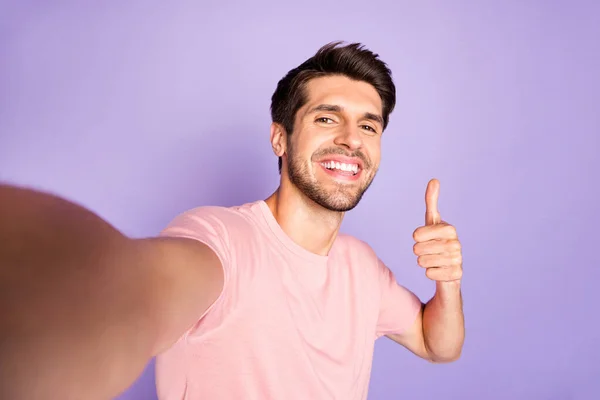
[{"x": 437, "y": 247}]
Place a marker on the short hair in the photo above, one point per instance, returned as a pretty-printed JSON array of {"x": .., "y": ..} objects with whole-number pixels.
[{"x": 353, "y": 61}]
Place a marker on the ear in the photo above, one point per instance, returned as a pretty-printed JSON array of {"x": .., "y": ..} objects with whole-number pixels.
[{"x": 278, "y": 139}]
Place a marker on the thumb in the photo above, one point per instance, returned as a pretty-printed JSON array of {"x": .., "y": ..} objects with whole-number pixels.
[{"x": 432, "y": 215}]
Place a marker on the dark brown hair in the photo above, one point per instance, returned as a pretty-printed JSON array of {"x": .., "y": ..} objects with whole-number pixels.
[{"x": 353, "y": 61}]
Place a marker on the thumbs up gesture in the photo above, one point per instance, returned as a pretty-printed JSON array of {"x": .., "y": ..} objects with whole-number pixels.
[{"x": 437, "y": 247}]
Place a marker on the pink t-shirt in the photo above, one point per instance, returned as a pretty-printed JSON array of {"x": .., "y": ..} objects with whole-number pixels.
[{"x": 289, "y": 324}]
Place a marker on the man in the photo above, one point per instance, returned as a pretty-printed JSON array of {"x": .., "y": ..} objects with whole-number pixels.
[{"x": 261, "y": 301}]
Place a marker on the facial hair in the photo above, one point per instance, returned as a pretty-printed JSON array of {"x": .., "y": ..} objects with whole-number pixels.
[{"x": 340, "y": 198}]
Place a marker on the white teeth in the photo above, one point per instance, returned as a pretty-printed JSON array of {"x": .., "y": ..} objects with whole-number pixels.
[{"x": 341, "y": 166}]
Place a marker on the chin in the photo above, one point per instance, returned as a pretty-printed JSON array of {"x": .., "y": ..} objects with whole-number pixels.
[
  {"x": 342, "y": 208},
  {"x": 332, "y": 195},
  {"x": 337, "y": 197},
  {"x": 337, "y": 202}
]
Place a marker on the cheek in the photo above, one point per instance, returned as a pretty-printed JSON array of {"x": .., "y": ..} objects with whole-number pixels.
[
  {"x": 374, "y": 153},
  {"x": 307, "y": 146},
  {"x": 300, "y": 155}
]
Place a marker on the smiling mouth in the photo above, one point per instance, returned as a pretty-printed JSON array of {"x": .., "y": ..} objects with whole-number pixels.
[{"x": 343, "y": 168}]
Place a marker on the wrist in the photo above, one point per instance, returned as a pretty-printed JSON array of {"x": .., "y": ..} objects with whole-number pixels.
[
  {"x": 449, "y": 285},
  {"x": 448, "y": 289}
]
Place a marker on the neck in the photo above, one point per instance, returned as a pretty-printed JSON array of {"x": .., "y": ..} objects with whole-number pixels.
[{"x": 304, "y": 221}]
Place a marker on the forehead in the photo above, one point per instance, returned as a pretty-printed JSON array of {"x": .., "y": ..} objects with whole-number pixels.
[{"x": 354, "y": 96}]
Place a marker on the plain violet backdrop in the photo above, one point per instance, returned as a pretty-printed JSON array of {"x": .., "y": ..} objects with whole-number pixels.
[{"x": 140, "y": 110}]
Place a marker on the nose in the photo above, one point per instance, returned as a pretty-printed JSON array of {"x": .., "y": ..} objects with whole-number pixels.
[{"x": 350, "y": 138}]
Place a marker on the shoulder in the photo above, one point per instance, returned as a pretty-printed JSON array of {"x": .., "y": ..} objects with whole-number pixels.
[
  {"x": 216, "y": 224},
  {"x": 207, "y": 213},
  {"x": 216, "y": 217}
]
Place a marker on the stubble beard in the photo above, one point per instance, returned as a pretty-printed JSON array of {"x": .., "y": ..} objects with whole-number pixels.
[{"x": 339, "y": 198}]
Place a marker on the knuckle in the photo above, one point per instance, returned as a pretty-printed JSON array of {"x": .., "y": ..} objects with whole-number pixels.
[
  {"x": 456, "y": 245},
  {"x": 457, "y": 274},
  {"x": 450, "y": 230}
]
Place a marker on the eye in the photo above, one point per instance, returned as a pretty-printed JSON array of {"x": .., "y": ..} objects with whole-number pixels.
[
  {"x": 369, "y": 128},
  {"x": 325, "y": 120}
]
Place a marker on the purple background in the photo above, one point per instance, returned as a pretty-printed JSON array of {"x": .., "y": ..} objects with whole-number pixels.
[{"x": 142, "y": 109}]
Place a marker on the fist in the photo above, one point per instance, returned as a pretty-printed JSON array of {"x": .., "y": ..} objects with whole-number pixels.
[{"x": 437, "y": 247}]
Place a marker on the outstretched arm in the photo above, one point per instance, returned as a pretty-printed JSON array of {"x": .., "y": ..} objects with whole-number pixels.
[{"x": 82, "y": 307}]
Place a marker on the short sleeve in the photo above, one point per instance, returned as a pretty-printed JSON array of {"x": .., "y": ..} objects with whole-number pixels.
[
  {"x": 207, "y": 225},
  {"x": 399, "y": 306}
]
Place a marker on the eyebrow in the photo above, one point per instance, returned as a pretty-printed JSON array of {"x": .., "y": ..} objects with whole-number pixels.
[{"x": 338, "y": 109}]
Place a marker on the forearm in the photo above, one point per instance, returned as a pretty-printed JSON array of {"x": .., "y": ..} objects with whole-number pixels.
[
  {"x": 70, "y": 292},
  {"x": 443, "y": 323}
]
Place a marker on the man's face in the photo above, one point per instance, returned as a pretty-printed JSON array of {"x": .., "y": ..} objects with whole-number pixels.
[{"x": 334, "y": 151}]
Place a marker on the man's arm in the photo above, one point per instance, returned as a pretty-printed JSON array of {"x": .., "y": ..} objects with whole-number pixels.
[
  {"x": 84, "y": 308},
  {"x": 438, "y": 332}
]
